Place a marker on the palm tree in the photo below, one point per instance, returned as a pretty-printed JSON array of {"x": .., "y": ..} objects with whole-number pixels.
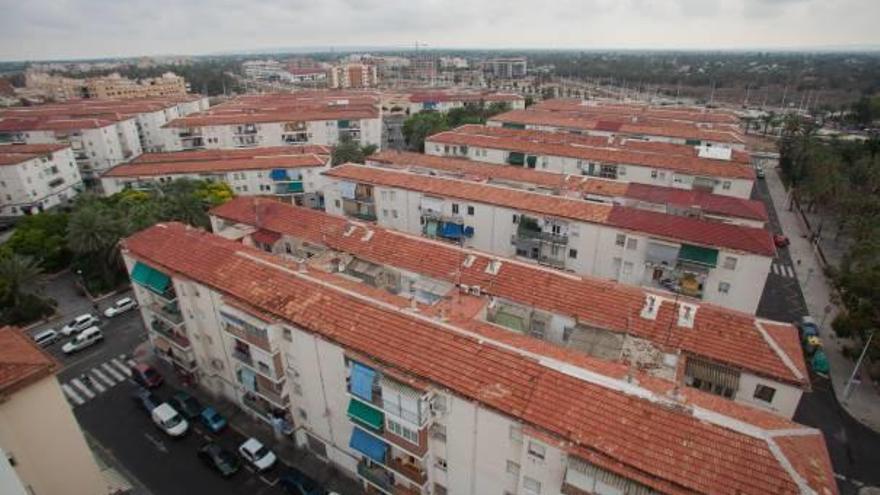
[
  {"x": 92, "y": 229},
  {"x": 16, "y": 272}
]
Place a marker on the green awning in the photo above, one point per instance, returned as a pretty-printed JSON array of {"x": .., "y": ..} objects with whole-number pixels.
[
  {"x": 295, "y": 187},
  {"x": 531, "y": 160},
  {"x": 366, "y": 415},
  {"x": 343, "y": 124},
  {"x": 692, "y": 142},
  {"x": 511, "y": 125},
  {"x": 698, "y": 255},
  {"x": 516, "y": 158},
  {"x": 150, "y": 278}
]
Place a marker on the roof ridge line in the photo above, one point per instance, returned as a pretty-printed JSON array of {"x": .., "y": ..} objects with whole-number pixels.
[
  {"x": 788, "y": 468},
  {"x": 583, "y": 374},
  {"x": 786, "y": 359}
]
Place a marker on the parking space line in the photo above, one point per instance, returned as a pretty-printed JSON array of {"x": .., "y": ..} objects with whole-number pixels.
[
  {"x": 72, "y": 395},
  {"x": 110, "y": 370},
  {"x": 120, "y": 366},
  {"x": 101, "y": 376},
  {"x": 82, "y": 388},
  {"x": 268, "y": 482}
]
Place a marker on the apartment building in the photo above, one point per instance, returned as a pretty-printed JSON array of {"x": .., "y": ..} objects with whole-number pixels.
[
  {"x": 113, "y": 86},
  {"x": 408, "y": 402},
  {"x": 710, "y": 261},
  {"x": 36, "y": 177},
  {"x": 506, "y": 67},
  {"x": 721, "y": 135},
  {"x": 444, "y": 101},
  {"x": 304, "y": 117},
  {"x": 39, "y": 436},
  {"x": 353, "y": 75},
  {"x": 749, "y": 370},
  {"x": 102, "y": 133},
  {"x": 694, "y": 168},
  {"x": 291, "y": 173},
  {"x": 629, "y": 111},
  {"x": 674, "y": 201}
]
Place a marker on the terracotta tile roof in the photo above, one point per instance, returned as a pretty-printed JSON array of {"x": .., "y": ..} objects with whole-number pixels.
[
  {"x": 645, "y": 127},
  {"x": 12, "y": 154},
  {"x": 677, "y": 228},
  {"x": 707, "y": 202},
  {"x": 21, "y": 361},
  {"x": 721, "y": 334},
  {"x": 288, "y": 107},
  {"x": 678, "y": 449},
  {"x": 529, "y": 142},
  {"x": 151, "y": 168},
  {"x": 222, "y": 154},
  {"x": 675, "y": 113}
]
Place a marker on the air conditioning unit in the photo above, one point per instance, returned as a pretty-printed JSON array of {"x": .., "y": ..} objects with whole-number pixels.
[{"x": 475, "y": 290}]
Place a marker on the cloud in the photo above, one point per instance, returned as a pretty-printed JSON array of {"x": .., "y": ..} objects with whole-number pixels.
[{"x": 90, "y": 28}]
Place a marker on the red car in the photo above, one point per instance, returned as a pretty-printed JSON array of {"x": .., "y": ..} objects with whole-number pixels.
[
  {"x": 146, "y": 376},
  {"x": 781, "y": 241}
]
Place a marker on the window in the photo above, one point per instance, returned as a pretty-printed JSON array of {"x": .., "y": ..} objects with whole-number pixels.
[
  {"x": 302, "y": 414},
  {"x": 394, "y": 213},
  {"x": 336, "y": 203},
  {"x": 531, "y": 486},
  {"x": 440, "y": 463},
  {"x": 730, "y": 262},
  {"x": 628, "y": 268},
  {"x": 385, "y": 213},
  {"x": 765, "y": 393},
  {"x": 620, "y": 240},
  {"x": 573, "y": 253},
  {"x": 725, "y": 185},
  {"x": 402, "y": 431},
  {"x": 516, "y": 433},
  {"x": 513, "y": 468},
  {"x": 455, "y": 208},
  {"x": 287, "y": 334},
  {"x": 470, "y": 210},
  {"x": 724, "y": 287},
  {"x": 632, "y": 243},
  {"x": 439, "y": 489},
  {"x": 537, "y": 450},
  {"x": 515, "y": 218},
  {"x": 653, "y": 174},
  {"x": 621, "y": 170},
  {"x": 384, "y": 194}
]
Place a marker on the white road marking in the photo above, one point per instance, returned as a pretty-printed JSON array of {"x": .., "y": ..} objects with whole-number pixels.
[
  {"x": 72, "y": 395},
  {"x": 101, "y": 376},
  {"x": 131, "y": 362},
  {"x": 82, "y": 388},
  {"x": 112, "y": 372},
  {"x": 121, "y": 367},
  {"x": 269, "y": 482},
  {"x": 96, "y": 384}
]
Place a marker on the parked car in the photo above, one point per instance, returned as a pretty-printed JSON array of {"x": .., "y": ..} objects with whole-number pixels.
[
  {"x": 188, "y": 405},
  {"x": 807, "y": 327},
  {"x": 759, "y": 172},
  {"x": 169, "y": 420},
  {"x": 296, "y": 482},
  {"x": 87, "y": 338},
  {"x": 780, "y": 240},
  {"x": 120, "y": 306},
  {"x": 212, "y": 419},
  {"x": 146, "y": 376},
  {"x": 79, "y": 324},
  {"x": 145, "y": 399},
  {"x": 256, "y": 454},
  {"x": 46, "y": 338},
  {"x": 219, "y": 459}
]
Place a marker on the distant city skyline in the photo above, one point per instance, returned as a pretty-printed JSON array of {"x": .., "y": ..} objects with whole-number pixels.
[{"x": 45, "y": 29}]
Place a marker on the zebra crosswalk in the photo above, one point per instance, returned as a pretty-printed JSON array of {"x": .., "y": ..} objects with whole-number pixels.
[
  {"x": 100, "y": 378},
  {"x": 782, "y": 269}
]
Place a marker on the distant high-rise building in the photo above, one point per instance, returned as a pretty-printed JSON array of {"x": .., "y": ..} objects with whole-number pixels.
[
  {"x": 508, "y": 68},
  {"x": 345, "y": 76}
]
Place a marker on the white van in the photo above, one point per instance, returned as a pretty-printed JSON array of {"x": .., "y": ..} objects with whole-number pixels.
[
  {"x": 169, "y": 420},
  {"x": 87, "y": 338}
]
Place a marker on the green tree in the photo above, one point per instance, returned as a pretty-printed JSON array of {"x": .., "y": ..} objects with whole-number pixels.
[
  {"x": 350, "y": 151},
  {"x": 421, "y": 125},
  {"x": 17, "y": 272},
  {"x": 41, "y": 237}
]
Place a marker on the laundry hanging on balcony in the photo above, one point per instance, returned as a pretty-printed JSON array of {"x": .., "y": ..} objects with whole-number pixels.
[
  {"x": 362, "y": 379},
  {"x": 346, "y": 189}
]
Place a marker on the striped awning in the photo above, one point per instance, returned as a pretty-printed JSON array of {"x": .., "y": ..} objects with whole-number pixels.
[{"x": 713, "y": 373}]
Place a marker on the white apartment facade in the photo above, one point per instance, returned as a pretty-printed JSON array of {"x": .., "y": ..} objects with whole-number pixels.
[
  {"x": 355, "y": 406},
  {"x": 601, "y": 247},
  {"x": 251, "y": 135},
  {"x": 445, "y": 101},
  {"x": 726, "y": 179},
  {"x": 153, "y": 135},
  {"x": 36, "y": 177}
]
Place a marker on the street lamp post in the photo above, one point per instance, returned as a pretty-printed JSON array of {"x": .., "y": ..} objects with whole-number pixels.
[{"x": 848, "y": 389}]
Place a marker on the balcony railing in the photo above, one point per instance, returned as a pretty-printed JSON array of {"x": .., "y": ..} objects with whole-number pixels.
[
  {"x": 162, "y": 328},
  {"x": 257, "y": 338},
  {"x": 526, "y": 233},
  {"x": 409, "y": 471},
  {"x": 376, "y": 475},
  {"x": 170, "y": 312}
]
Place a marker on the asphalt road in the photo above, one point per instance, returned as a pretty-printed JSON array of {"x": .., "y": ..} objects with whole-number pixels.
[{"x": 854, "y": 448}]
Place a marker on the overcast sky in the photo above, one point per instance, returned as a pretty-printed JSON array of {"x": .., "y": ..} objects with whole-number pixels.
[{"x": 40, "y": 29}]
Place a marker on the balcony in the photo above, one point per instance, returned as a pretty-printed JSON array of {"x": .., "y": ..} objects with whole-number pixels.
[
  {"x": 362, "y": 209},
  {"x": 526, "y": 232},
  {"x": 265, "y": 388},
  {"x": 284, "y": 188},
  {"x": 56, "y": 182},
  {"x": 376, "y": 475},
  {"x": 180, "y": 341},
  {"x": 273, "y": 371},
  {"x": 366, "y": 415},
  {"x": 252, "y": 335},
  {"x": 170, "y": 312},
  {"x": 409, "y": 471}
]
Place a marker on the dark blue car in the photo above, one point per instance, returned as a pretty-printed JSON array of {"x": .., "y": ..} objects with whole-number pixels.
[
  {"x": 297, "y": 483},
  {"x": 212, "y": 419}
]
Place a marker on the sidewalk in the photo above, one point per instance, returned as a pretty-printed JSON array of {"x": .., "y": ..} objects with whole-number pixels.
[
  {"x": 239, "y": 420},
  {"x": 864, "y": 400}
]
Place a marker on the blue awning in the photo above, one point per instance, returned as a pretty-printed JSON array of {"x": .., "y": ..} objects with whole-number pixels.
[
  {"x": 368, "y": 445},
  {"x": 278, "y": 174},
  {"x": 362, "y": 379},
  {"x": 451, "y": 230},
  {"x": 468, "y": 231}
]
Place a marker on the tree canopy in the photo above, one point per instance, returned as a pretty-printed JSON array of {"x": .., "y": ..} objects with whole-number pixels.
[{"x": 425, "y": 123}]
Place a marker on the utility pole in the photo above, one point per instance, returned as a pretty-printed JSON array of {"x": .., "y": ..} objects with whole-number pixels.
[{"x": 848, "y": 389}]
